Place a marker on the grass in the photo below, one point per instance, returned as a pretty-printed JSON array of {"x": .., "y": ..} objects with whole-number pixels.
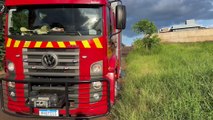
[{"x": 175, "y": 84}]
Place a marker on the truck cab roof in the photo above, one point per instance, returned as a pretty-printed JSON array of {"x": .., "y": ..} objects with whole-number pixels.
[{"x": 53, "y": 2}]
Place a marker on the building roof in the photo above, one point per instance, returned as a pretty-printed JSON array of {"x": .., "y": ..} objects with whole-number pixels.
[
  {"x": 188, "y": 24},
  {"x": 184, "y": 26}
]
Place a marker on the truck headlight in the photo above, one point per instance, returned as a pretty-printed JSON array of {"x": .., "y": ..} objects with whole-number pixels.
[
  {"x": 97, "y": 85},
  {"x": 96, "y": 96},
  {"x": 11, "y": 66},
  {"x": 11, "y": 89},
  {"x": 12, "y": 94},
  {"x": 96, "y": 68},
  {"x": 11, "y": 84}
]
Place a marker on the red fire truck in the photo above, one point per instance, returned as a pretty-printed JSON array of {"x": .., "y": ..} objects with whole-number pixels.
[{"x": 62, "y": 57}]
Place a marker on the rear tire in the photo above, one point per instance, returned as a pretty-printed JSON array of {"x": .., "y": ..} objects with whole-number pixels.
[{"x": 117, "y": 88}]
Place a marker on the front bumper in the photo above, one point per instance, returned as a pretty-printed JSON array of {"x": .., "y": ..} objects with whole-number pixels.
[{"x": 84, "y": 110}]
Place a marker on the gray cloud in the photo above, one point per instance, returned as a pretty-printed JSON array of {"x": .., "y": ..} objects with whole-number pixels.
[{"x": 166, "y": 12}]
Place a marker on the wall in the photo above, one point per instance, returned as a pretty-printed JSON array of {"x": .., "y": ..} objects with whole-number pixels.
[{"x": 187, "y": 36}]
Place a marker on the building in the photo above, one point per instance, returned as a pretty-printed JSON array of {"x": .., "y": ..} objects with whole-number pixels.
[
  {"x": 164, "y": 30},
  {"x": 189, "y": 25}
]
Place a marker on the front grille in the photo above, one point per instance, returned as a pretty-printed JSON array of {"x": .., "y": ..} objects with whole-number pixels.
[
  {"x": 68, "y": 63},
  {"x": 77, "y": 97}
]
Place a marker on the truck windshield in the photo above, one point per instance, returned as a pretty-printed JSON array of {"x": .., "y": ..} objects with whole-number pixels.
[{"x": 75, "y": 21}]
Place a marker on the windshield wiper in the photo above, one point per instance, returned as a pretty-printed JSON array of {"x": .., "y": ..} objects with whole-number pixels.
[
  {"x": 74, "y": 33},
  {"x": 79, "y": 33}
]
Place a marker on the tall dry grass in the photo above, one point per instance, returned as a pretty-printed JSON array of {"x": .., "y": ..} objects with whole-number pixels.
[{"x": 174, "y": 84}]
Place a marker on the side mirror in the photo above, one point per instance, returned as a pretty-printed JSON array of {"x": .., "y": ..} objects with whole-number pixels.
[
  {"x": 120, "y": 17},
  {"x": 2, "y": 7}
]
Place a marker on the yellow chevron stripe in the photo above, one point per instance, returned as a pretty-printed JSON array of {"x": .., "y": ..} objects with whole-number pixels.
[
  {"x": 49, "y": 45},
  {"x": 17, "y": 42},
  {"x": 97, "y": 43},
  {"x": 9, "y": 42},
  {"x": 61, "y": 44},
  {"x": 86, "y": 44},
  {"x": 27, "y": 44},
  {"x": 72, "y": 43},
  {"x": 38, "y": 45}
]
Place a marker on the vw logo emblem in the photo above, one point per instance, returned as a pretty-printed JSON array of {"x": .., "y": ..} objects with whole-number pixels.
[{"x": 49, "y": 60}]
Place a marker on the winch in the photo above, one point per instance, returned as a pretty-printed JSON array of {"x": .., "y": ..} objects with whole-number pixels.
[{"x": 46, "y": 100}]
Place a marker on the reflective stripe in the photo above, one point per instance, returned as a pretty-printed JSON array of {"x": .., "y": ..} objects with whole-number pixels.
[
  {"x": 9, "y": 42},
  {"x": 49, "y": 45},
  {"x": 38, "y": 44},
  {"x": 61, "y": 45},
  {"x": 72, "y": 43},
  {"x": 86, "y": 44},
  {"x": 17, "y": 42},
  {"x": 27, "y": 43},
  {"x": 97, "y": 43}
]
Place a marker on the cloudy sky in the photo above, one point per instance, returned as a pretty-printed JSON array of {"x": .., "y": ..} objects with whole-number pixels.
[{"x": 165, "y": 13}]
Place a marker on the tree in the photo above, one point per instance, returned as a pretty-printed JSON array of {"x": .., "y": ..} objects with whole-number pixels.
[
  {"x": 145, "y": 26},
  {"x": 148, "y": 29}
]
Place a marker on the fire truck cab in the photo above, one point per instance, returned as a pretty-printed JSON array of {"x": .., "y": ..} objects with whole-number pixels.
[{"x": 62, "y": 57}]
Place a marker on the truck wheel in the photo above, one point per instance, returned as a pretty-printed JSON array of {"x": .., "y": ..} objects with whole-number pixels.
[{"x": 116, "y": 88}]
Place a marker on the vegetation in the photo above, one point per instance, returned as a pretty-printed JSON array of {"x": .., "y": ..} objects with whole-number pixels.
[
  {"x": 140, "y": 45},
  {"x": 145, "y": 26},
  {"x": 2, "y": 49},
  {"x": 149, "y": 29},
  {"x": 175, "y": 84},
  {"x": 1, "y": 45},
  {"x": 20, "y": 19}
]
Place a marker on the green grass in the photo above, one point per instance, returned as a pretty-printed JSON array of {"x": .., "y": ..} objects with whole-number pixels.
[{"x": 175, "y": 84}]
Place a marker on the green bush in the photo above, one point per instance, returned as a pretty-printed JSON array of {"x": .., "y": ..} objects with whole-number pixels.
[
  {"x": 147, "y": 46},
  {"x": 150, "y": 42},
  {"x": 2, "y": 47},
  {"x": 138, "y": 44},
  {"x": 150, "y": 39}
]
